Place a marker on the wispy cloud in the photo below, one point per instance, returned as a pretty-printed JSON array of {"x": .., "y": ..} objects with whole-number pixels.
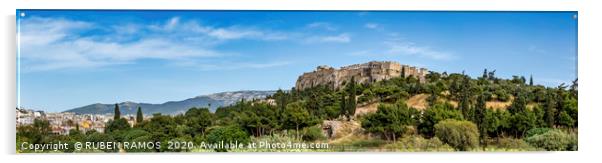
[
  {"x": 371, "y": 25},
  {"x": 229, "y": 65},
  {"x": 340, "y": 38},
  {"x": 536, "y": 49},
  {"x": 222, "y": 33},
  {"x": 322, "y": 25},
  {"x": 410, "y": 48},
  {"x": 58, "y": 43}
]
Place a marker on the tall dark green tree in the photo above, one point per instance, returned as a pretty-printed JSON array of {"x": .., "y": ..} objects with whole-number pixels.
[
  {"x": 480, "y": 109},
  {"x": 403, "y": 71},
  {"x": 343, "y": 105},
  {"x": 139, "y": 115},
  {"x": 465, "y": 94},
  {"x": 519, "y": 104},
  {"x": 352, "y": 95},
  {"x": 549, "y": 110},
  {"x": 531, "y": 80},
  {"x": 485, "y": 74},
  {"x": 117, "y": 113}
]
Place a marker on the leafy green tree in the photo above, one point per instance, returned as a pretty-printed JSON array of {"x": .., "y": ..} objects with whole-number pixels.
[
  {"x": 227, "y": 134},
  {"x": 565, "y": 119},
  {"x": 570, "y": 107},
  {"x": 391, "y": 121},
  {"x": 198, "y": 119},
  {"x": 462, "y": 135},
  {"x": 75, "y": 132},
  {"x": 36, "y": 133},
  {"x": 297, "y": 117},
  {"x": 523, "y": 121},
  {"x": 434, "y": 114},
  {"x": 117, "y": 125},
  {"x": 161, "y": 128}
]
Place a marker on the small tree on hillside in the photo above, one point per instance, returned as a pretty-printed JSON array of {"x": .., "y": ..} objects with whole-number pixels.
[{"x": 297, "y": 117}]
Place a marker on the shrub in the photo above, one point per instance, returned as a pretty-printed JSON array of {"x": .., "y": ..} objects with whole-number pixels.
[
  {"x": 536, "y": 131},
  {"x": 228, "y": 134},
  {"x": 554, "y": 140},
  {"x": 508, "y": 144},
  {"x": 313, "y": 133},
  {"x": 462, "y": 135},
  {"x": 419, "y": 144}
]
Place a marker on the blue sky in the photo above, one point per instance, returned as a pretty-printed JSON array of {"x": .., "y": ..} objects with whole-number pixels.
[{"x": 71, "y": 58}]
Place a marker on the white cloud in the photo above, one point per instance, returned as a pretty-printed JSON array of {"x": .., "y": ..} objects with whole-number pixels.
[
  {"x": 322, "y": 25},
  {"x": 228, "y": 65},
  {"x": 536, "y": 49},
  {"x": 410, "y": 48},
  {"x": 341, "y": 38},
  {"x": 56, "y": 43},
  {"x": 192, "y": 27},
  {"x": 371, "y": 25}
]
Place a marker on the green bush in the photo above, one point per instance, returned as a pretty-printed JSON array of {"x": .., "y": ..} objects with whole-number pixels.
[
  {"x": 536, "y": 131},
  {"x": 419, "y": 144},
  {"x": 228, "y": 134},
  {"x": 313, "y": 133},
  {"x": 508, "y": 144},
  {"x": 462, "y": 135},
  {"x": 554, "y": 140}
]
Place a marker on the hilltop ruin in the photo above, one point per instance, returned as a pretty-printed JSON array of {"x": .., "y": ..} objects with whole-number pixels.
[{"x": 364, "y": 73}]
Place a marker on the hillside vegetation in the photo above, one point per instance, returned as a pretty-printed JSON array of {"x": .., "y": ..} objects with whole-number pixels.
[{"x": 448, "y": 112}]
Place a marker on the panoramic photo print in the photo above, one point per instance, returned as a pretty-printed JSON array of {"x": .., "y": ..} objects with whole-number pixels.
[{"x": 196, "y": 81}]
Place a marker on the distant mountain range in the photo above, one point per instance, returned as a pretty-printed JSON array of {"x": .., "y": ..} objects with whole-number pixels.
[{"x": 174, "y": 107}]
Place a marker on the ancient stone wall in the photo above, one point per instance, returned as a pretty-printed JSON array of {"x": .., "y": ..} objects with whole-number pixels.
[{"x": 362, "y": 73}]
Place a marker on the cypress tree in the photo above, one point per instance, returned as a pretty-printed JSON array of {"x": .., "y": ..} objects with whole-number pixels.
[
  {"x": 403, "y": 71},
  {"x": 480, "y": 109},
  {"x": 352, "y": 94},
  {"x": 485, "y": 74},
  {"x": 464, "y": 104},
  {"x": 139, "y": 116},
  {"x": 531, "y": 80},
  {"x": 117, "y": 113},
  {"x": 343, "y": 110},
  {"x": 550, "y": 110}
]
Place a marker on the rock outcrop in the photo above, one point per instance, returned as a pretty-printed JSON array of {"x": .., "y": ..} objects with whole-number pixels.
[{"x": 362, "y": 73}]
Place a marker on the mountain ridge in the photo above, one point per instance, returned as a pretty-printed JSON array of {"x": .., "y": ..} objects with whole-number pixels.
[{"x": 174, "y": 107}]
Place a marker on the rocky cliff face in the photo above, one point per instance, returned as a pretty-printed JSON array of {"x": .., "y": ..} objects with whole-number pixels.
[{"x": 362, "y": 73}]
